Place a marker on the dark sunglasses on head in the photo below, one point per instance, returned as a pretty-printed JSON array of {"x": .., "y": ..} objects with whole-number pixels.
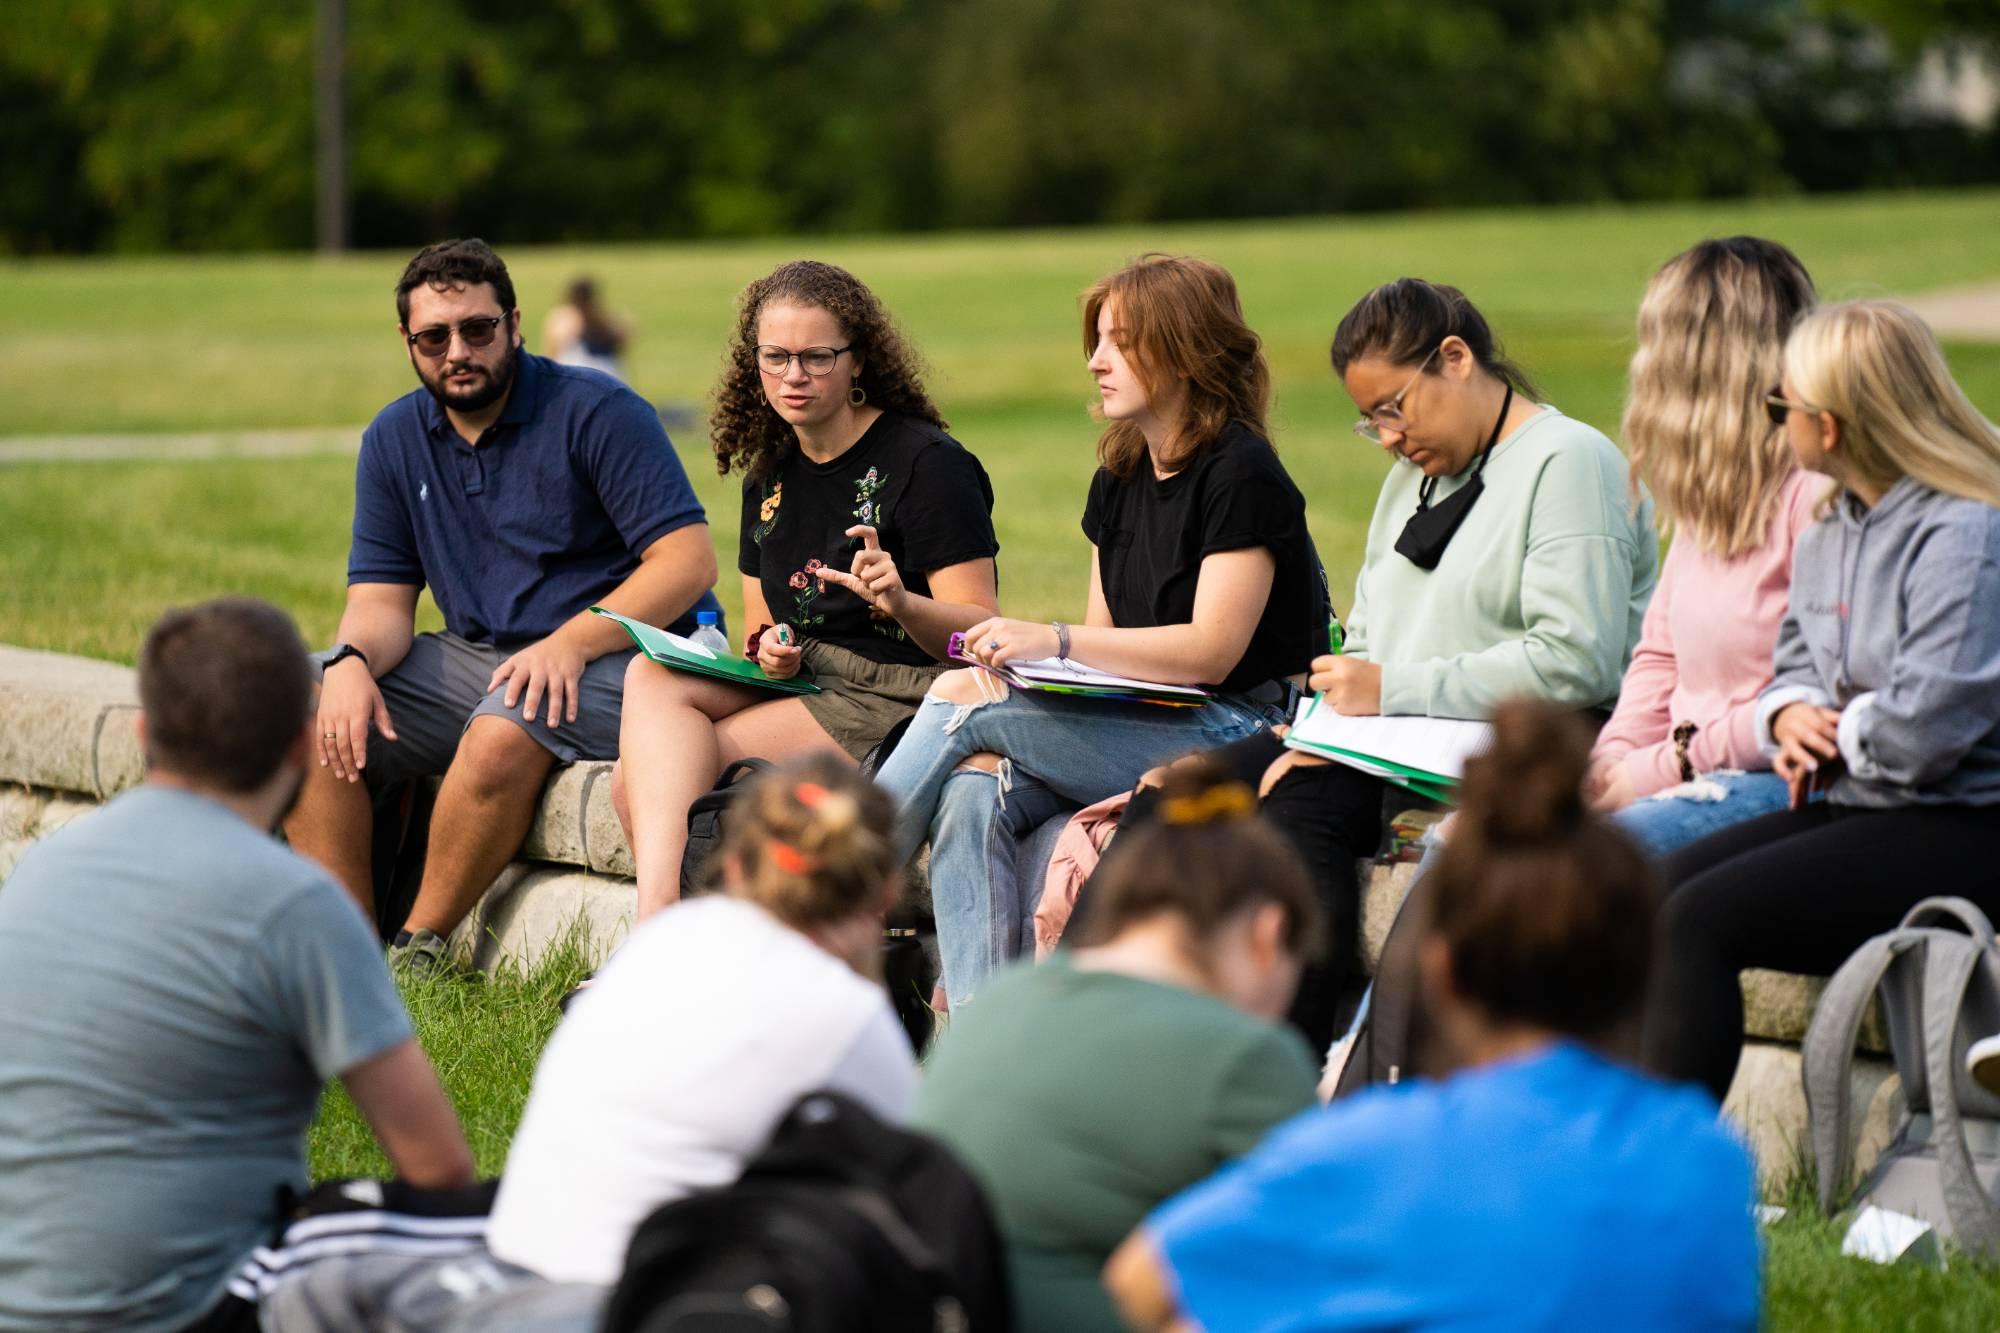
[{"x": 475, "y": 332}]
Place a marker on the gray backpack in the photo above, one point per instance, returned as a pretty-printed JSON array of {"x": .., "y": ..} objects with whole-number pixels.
[{"x": 1939, "y": 978}]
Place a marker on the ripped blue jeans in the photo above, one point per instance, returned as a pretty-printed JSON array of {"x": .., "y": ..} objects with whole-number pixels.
[{"x": 1080, "y": 750}]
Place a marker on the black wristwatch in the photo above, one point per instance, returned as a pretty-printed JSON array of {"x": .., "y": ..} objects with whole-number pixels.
[{"x": 341, "y": 652}]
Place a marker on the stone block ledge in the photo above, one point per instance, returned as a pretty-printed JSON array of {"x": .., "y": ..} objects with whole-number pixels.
[{"x": 67, "y": 744}]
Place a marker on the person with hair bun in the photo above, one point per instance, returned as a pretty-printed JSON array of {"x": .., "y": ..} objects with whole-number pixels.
[
  {"x": 1084, "y": 1091},
  {"x": 867, "y": 537},
  {"x": 1711, "y": 333},
  {"x": 1886, "y": 696},
  {"x": 1540, "y": 1184},
  {"x": 671, "y": 1071},
  {"x": 1202, "y": 572}
]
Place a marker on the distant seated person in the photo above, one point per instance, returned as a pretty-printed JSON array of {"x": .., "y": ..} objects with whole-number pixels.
[
  {"x": 581, "y": 332},
  {"x": 1506, "y": 556},
  {"x": 521, "y": 493},
  {"x": 1541, "y": 1186},
  {"x": 1085, "y": 1091},
  {"x": 178, "y": 988}
]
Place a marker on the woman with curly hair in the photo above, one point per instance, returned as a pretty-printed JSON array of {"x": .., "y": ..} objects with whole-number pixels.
[{"x": 867, "y": 541}]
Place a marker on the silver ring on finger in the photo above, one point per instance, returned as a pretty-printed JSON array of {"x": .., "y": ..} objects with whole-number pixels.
[{"x": 993, "y": 645}]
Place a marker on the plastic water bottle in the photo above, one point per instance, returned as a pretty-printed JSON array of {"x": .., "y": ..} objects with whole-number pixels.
[{"x": 708, "y": 633}]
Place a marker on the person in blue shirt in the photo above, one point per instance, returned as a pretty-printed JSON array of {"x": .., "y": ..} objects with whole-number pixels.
[
  {"x": 1542, "y": 1185},
  {"x": 521, "y": 492}
]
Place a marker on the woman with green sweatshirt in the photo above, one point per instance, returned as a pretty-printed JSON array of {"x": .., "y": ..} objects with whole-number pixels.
[{"x": 1506, "y": 557}]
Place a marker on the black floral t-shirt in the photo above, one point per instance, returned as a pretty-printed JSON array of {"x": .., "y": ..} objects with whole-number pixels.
[
  {"x": 1151, "y": 536},
  {"x": 924, "y": 493}
]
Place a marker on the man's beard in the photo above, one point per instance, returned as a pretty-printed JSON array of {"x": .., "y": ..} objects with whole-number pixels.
[{"x": 497, "y": 381}]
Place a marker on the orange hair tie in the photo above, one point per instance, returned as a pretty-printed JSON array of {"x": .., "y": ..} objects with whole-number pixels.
[
  {"x": 791, "y": 860},
  {"x": 810, "y": 794}
]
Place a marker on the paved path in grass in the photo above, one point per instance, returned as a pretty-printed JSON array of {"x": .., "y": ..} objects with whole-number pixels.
[
  {"x": 1971, "y": 313},
  {"x": 207, "y": 444}
]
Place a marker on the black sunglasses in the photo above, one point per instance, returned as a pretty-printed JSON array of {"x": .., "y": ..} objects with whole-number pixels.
[
  {"x": 476, "y": 333},
  {"x": 1779, "y": 407}
]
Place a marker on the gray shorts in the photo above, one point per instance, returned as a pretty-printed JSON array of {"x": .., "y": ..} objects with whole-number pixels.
[{"x": 440, "y": 686}]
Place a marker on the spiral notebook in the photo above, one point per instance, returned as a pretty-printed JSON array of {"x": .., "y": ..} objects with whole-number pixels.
[
  {"x": 680, "y": 654},
  {"x": 1057, "y": 675}
]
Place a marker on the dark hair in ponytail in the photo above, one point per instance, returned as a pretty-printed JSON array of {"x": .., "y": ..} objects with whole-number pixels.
[
  {"x": 1404, "y": 321},
  {"x": 1209, "y": 858},
  {"x": 1548, "y": 910}
]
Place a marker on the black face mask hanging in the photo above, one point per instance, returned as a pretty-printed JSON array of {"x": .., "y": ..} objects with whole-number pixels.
[{"x": 1432, "y": 527}]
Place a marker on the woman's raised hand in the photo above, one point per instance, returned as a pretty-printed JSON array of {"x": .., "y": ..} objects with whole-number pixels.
[{"x": 873, "y": 577}]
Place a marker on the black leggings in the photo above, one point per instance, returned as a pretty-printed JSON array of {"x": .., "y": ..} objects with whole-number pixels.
[
  {"x": 1333, "y": 815},
  {"x": 1797, "y": 891}
]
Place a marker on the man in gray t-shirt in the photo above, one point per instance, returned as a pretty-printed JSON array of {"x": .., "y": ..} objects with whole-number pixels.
[{"x": 177, "y": 988}]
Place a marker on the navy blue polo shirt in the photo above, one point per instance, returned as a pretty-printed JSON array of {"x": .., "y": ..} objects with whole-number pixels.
[{"x": 541, "y": 520}]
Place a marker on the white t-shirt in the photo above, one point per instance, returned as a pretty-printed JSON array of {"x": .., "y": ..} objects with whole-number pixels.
[{"x": 672, "y": 1070}]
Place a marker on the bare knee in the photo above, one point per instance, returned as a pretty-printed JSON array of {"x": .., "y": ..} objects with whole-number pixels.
[
  {"x": 619, "y": 799},
  {"x": 497, "y": 758},
  {"x": 983, "y": 762},
  {"x": 958, "y": 687}
]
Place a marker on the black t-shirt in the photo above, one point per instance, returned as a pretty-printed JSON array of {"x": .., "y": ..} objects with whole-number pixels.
[
  {"x": 924, "y": 493},
  {"x": 1151, "y": 536}
]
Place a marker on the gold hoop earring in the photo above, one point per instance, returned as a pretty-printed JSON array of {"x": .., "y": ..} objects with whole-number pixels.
[{"x": 856, "y": 396}]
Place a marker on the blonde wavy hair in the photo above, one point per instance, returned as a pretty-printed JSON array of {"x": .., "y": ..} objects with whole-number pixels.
[
  {"x": 1878, "y": 369},
  {"x": 1712, "y": 332}
]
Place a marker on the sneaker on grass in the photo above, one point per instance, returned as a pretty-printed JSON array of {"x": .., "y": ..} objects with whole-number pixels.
[{"x": 420, "y": 953}]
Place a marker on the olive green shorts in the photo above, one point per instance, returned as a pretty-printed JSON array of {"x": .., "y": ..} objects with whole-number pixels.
[{"x": 859, "y": 700}]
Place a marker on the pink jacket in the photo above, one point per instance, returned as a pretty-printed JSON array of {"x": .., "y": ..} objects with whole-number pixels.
[{"x": 1705, "y": 652}]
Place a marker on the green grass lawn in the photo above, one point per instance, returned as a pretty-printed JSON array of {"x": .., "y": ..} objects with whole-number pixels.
[{"x": 89, "y": 554}]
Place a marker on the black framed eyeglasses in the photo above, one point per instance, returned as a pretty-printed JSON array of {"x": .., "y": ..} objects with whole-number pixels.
[
  {"x": 775, "y": 360},
  {"x": 479, "y": 332},
  {"x": 1779, "y": 407}
]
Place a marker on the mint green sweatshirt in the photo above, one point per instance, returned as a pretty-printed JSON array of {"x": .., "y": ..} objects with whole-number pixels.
[{"x": 1541, "y": 591}]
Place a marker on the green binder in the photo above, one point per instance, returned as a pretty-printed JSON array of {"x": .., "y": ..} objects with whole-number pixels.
[{"x": 671, "y": 650}]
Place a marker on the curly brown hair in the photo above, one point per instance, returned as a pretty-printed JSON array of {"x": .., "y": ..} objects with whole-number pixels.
[{"x": 746, "y": 430}]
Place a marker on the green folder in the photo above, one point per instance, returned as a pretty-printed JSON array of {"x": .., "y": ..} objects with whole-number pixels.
[
  {"x": 1440, "y": 787},
  {"x": 670, "y": 650}
]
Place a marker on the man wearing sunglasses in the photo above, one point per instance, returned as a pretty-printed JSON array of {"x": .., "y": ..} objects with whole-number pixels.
[{"x": 521, "y": 493}]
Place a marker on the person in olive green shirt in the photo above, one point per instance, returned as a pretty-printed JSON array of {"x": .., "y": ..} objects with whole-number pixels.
[{"x": 1083, "y": 1092}]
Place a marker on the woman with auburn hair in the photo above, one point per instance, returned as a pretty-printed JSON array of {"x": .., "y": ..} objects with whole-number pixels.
[
  {"x": 1538, "y": 1183},
  {"x": 867, "y": 537},
  {"x": 1712, "y": 331},
  {"x": 1886, "y": 695},
  {"x": 1202, "y": 573},
  {"x": 1084, "y": 1091}
]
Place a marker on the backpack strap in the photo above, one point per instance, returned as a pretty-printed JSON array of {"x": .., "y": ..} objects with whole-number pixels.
[
  {"x": 1952, "y": 911},
  {"x": 1827, "y": 1057},
  {"x": 1948, "y": 969}
]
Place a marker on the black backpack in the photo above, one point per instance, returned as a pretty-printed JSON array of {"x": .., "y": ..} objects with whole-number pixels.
[
  {"x": 841, "y": 1223},
  {"x": 705, "y": 823}
]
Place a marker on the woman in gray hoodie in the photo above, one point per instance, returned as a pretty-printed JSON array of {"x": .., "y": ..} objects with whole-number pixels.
[{"x": 1886, "y": 696}]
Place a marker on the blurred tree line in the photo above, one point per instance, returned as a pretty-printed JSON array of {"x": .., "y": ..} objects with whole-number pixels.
[{"x": 188, "y": 124}]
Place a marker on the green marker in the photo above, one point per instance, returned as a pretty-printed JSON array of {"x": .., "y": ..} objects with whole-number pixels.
[
  {"x": 1336, "y": 637},
  {"x": 785, "y": 636}
]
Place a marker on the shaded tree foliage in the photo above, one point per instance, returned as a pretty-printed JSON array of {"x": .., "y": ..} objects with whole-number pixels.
[{"x": 187, "y": 124}]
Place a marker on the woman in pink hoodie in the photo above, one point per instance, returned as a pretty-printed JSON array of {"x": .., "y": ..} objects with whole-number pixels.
[{"x": 1679, "y": 758}]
